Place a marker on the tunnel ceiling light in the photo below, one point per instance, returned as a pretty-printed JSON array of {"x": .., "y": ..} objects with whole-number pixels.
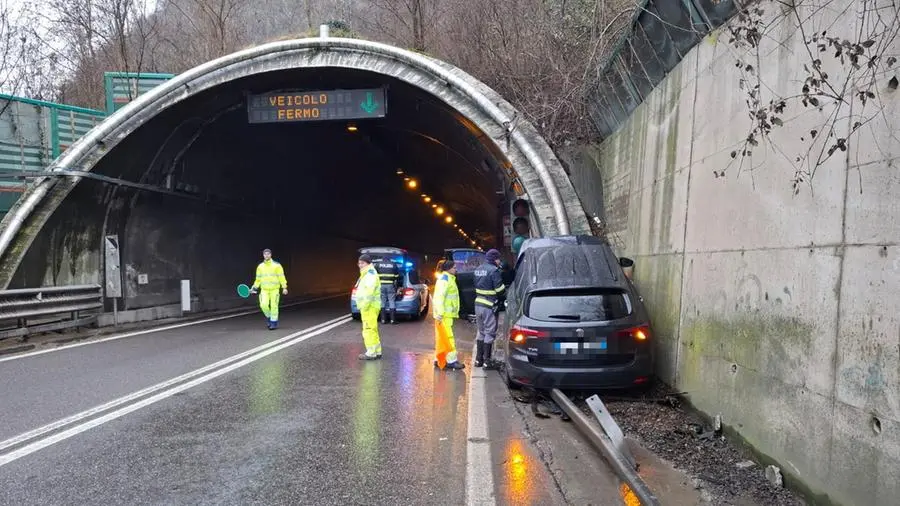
[
  {"x": 412, "y": 184},
  {"x": 449, "y": 219},
  {"x": 427, "y": 199},
  {"x": 351, "y": 127},
  {"x": 399, "y": 172},
  {"x": 439, "y": 210}
]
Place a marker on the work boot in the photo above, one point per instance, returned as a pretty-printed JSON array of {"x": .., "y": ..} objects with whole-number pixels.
[
  {"x": 363, "y": 356},
  {"x": 274, "y": 324},
  {"x": 455, "y": 366},
  {"x": 479, "y": 353},
  {"x": 393, "y": 316},
  {"x": 488, "y": 361}
]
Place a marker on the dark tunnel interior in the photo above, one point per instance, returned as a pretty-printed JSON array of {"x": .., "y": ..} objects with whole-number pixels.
[{"x": 314, "y": 192}]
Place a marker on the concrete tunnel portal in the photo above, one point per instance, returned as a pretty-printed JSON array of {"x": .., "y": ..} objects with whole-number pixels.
[{"x": 194, "y": 190}]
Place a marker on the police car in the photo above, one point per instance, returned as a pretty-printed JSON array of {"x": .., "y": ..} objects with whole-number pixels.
[{"x": 413, "y": 299}]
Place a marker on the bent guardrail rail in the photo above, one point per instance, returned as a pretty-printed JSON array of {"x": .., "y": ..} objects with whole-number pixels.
[
  {"x": 29, "y": 311},
  {"x": 613, "y": 451}
]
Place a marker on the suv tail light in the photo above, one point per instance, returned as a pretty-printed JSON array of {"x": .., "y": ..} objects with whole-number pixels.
[
  {"x": 641, "y": 333},
  {"x": 519, "y": 334}
]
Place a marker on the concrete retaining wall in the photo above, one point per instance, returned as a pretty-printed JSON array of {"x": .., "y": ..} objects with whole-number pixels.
[{"x": 776, "y": 310}]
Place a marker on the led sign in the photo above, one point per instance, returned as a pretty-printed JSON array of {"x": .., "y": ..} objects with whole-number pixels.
[{"x": 290, "y": 106}]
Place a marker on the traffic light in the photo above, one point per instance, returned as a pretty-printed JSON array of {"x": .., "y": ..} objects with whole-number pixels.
[{"x": 520, "y": 226}]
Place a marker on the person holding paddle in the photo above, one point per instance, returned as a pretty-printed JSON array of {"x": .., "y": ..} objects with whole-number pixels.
[
  {"x": 272, "y": 283},
  {"x": 445, "y": 304}
]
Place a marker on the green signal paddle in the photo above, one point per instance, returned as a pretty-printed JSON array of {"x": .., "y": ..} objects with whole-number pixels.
[{"x": 243, "y": 290}]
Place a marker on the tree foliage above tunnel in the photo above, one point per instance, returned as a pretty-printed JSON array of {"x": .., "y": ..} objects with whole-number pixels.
[{"x": 541, "y": 55}]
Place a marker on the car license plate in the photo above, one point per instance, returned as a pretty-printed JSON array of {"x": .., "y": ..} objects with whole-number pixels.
[
  {"x": 600, "y": 345},
  {"x": 565, "y": 348}
]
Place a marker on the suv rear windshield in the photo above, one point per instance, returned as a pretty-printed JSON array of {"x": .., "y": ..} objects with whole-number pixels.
[
  {"x": 584, "y": 306},
  {"x": 467, "y": 261}
]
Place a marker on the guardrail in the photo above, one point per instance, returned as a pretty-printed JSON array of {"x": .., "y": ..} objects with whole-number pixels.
[
  {"x": 32, "y": 310},
  {"x": 610, "y": 441}
]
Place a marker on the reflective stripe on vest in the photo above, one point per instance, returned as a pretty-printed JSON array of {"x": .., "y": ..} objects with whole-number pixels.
[{"x": 484, "y": 302}]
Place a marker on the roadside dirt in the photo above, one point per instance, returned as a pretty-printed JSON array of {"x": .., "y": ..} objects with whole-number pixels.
[{"x": 659, "y": 423}]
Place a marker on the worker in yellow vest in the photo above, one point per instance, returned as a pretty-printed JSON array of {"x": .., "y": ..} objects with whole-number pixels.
[
  {"x": 272, "y": 283},
  {"x": 445, "y": 309},
  {"x": 367, "y": 296}
]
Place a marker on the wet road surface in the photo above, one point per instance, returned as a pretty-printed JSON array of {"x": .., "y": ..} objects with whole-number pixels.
[
  {"x": 39, "y": 389},
  {"x": 306, "y": 424}
]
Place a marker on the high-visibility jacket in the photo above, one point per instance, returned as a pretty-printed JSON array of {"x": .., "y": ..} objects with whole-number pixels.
[
  {"x": 388, "y": 272},
  {"x": 270, "y": 276},
  {"x": 489, "y": 285},
  {"x": 445, "y": 301},
  {"x": 368, "y": 289}
]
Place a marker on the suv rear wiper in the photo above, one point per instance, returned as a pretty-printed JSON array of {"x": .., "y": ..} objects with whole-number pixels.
[{"x": 573, "y": 317}]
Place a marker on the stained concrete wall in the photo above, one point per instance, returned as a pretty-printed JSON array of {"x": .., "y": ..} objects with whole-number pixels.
[{"x": 778, "y": 311}]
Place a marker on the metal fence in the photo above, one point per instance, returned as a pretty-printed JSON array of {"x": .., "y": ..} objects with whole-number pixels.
[
  {"x": 123, "y": 87},
  {"x": 661, "y": 34},
  {"x": 33, "y": 310},
  {"x": 32, "y": 134},
  {"x": 67, "y": 125}
]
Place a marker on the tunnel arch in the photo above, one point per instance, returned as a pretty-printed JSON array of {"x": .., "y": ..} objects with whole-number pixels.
[{"x": 527, "y": 157}]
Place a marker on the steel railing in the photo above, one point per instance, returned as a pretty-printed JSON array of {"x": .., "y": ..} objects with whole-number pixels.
[
  {"x": 608, "y": 438},
  {"x": 29, "y": 311}
]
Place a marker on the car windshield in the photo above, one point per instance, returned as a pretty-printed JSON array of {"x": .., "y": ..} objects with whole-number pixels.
[
  {"x": 467, "y": 261},
  {"x": 579, "y": 305}
]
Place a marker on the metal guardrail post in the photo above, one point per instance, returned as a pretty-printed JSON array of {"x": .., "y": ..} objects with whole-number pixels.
[
  {"x": 611, "y": 428},
  {"x": 616, "y": 460}
]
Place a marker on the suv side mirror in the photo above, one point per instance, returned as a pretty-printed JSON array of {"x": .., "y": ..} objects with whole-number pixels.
[{"x": 627, "y": 265}]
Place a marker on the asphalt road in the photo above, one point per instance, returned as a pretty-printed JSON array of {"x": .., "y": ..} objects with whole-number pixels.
[{"x": 298, "y": 422}]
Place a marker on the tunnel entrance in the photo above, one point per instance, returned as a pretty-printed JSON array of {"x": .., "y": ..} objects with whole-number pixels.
[{"x": 193, "y": 188}]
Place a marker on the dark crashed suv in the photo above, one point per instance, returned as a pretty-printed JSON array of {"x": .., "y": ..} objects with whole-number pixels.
[{"x": 574, "y": 320}]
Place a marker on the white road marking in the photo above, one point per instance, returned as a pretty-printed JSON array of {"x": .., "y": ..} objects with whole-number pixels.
[
  {"x": 78, "y": 429},
  {"x": 58, "y": 424},
  {"x": 479, "y": 468},
  {"x": 158, "y": 329}
]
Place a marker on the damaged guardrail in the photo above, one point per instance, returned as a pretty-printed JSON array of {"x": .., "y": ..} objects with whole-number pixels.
[
  {"x": 610, "y": 441},
  {"x": 33, "y": 310}
]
